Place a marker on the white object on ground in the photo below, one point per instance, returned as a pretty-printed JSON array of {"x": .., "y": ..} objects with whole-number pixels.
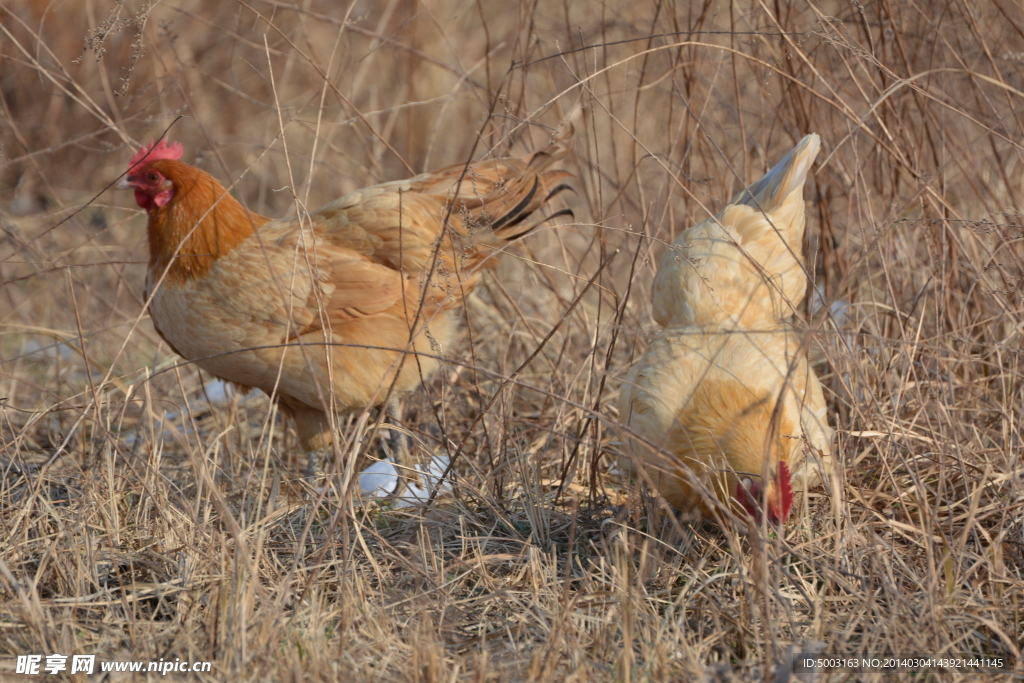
[
  {"x": 217, "y": 391},
  {"x": 430, "y": 475},
  {"x": 379, "y": 479}
]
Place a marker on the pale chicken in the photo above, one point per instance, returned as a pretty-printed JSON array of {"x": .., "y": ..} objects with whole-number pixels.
[
  {"x": 723, "y": 398},
  {"x": 328, "y": 311}
]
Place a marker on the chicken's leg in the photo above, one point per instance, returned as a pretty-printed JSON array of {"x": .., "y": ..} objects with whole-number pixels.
[
  {"x": 398, "y": 441},
  {"x": 314, "y": 436}
]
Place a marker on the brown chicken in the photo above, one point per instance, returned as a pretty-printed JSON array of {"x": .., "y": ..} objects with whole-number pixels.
[
  {"x": 724, "y": 396},
  {"x": 325, "y": 312}
]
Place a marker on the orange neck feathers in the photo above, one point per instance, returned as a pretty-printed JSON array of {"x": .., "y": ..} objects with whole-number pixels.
[{"x": 200, "y": 224}]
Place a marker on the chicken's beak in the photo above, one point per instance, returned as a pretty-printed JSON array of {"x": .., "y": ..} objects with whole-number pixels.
[{"x": 123, "y": 184}]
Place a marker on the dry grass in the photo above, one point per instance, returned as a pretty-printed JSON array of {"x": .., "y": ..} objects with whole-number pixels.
[{"x": 143, "y": 519}]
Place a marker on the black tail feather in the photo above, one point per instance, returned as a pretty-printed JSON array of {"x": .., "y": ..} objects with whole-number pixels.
[
  {"x": 557, "y": 214},
  {"x": 534, "y": 226},
  {"x": 563, "y": 186},
  {"x": 513, "y": 216}
]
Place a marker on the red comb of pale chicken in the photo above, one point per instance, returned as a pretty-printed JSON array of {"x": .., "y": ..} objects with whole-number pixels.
[
  {"x": 327, "y": 313},
  {"x": 724, "y": 390},
  {"x": 779, "y": 499}
]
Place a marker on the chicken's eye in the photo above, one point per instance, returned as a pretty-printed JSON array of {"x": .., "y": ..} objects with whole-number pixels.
[{"x": 153, "y": 176}]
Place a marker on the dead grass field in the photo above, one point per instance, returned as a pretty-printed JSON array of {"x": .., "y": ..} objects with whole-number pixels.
[{"x": 142, "y": 516}]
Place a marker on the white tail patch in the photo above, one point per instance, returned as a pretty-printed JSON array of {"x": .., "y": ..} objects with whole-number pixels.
[{"x": 786, "y": 177}]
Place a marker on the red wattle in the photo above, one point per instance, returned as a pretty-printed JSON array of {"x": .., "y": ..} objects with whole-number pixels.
[{"x": 143, "y": 199}]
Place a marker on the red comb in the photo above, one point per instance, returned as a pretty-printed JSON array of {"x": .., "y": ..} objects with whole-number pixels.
[
  {"x": 157, "y": 150},
  {"x": 785, "y": 491}
]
